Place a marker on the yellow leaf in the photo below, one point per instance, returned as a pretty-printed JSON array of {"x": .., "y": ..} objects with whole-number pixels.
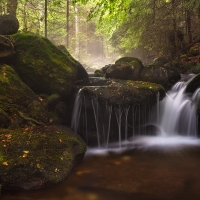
[
  {"x": 5, "y": 163},
  {"x": 24, "y": 155}
]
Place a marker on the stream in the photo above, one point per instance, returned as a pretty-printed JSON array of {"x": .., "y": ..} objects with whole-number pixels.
[{"x": 141, "y": 174}]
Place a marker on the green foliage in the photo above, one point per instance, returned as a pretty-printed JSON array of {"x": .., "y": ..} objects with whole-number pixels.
[{"x": 193, "y": 51}]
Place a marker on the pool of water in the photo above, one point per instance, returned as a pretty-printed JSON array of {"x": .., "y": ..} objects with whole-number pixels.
[{"x": 135, "y": 174}]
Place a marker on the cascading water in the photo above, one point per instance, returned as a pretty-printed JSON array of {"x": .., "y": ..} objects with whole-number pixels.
[
  {"x": 178, "y": 112},
  {"x": 173, "y": 117}
]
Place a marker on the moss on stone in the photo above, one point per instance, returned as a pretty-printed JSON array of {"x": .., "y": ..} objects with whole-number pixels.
[
  {"x": 38, "y": 157},
  {"x": 42, "y": 66},
  {"x": 123, "y": 93},
  {"x": 16, "y": 97}
]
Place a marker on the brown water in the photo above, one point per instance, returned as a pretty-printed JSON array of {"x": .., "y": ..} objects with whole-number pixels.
[{"x": 133, "y": 175}]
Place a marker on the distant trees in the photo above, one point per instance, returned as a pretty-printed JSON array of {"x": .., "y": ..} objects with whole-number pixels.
[
  {"x": 165, "y": 27},
  {"x": 148, "y": 24}
]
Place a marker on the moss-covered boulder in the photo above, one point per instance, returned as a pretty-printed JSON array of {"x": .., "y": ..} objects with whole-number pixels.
[
  {"x": 155, "y": 74},
  {"x": 166, "y": 76},
  {"x": 126, "y": 68},
  {"x": 18, "y": 103},
  {"x": 173, "y": 75},
  {"x": 44, "y": 67},
  {"x": 39, "y": 157},
  {"x": 112, "y": 103},
  {"x": 124, "y": 92}
]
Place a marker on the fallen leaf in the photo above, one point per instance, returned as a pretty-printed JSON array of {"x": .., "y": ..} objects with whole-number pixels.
[
  {"x": 24, "y": 155},
  {"x": 5, "y": 163}
]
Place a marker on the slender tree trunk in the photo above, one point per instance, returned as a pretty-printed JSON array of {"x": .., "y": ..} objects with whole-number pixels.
[
  {"x": 67, "y": 26},
  {"x": 199, "y": 14},
  {"x": 45, "y": 18},
  {"x": 175, "y": 27},
  {"x": 1, "y": 7},
  {"x": 188, "y": 25},
  {"x": 24, "y": 18},
  {"x": 12, "y": 7},
  {"x": 77, "y": 47}
]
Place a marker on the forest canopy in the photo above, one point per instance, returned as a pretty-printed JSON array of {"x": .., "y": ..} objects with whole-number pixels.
[{"x": 86, "y": 27}]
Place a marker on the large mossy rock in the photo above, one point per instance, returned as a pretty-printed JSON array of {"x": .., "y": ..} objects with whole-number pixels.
[
  {"x": 38, "y": 158},
  {"x": 124, "y": 92},
  {"x": 126, "y": 68},
  {"x": 166, "y": 76},
  {"x": 19, "y": 105},
  {"x": 44, "y": 67}
]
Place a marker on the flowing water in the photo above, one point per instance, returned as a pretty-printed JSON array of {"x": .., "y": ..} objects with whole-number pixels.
[
  {"x": 160, "y": 166},
  {"x": 173, "y": 119}
]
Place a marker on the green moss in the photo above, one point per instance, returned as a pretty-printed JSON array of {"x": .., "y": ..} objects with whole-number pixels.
[
  {"x": 16, "y": 97},
  {"x": 42, "y": 66},
  {"x": 193, "y": 51},
  {"x": 98, "y": 73},
  {"x": 123, "y": 93},
  {"x": 47, "y": 153}
]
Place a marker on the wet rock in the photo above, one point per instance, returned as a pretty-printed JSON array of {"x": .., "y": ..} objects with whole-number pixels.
[
  {"x": 37, "y": 158},
  {"x": 193, "y": 84},
  {"x": 173, "y": 75},
  {"x": 125, "y": 92},
  {"x": 126, "y": 68},
  {"x": 155, "y": 74},
  {"x": 160, "y": 61},
  {"x": 9, "y": 24}
]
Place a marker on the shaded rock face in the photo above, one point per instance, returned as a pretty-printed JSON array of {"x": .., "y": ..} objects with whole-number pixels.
[
  {"x": 9, "y": 24},
  {"x": 21, "y": 105},
  {"x": 173, "y": 75},
  {"x": 82, "y": 74},
  {"x": 160, "y": 61},
  {"x": 129, "y": 70},
  {"x": 155, "y": 74},
  {"x": 193, "y": 84},
  {"x": 46, "y": 69},
  {"x": 6, "y": 49},
  {"x": 39, "y": 157}
]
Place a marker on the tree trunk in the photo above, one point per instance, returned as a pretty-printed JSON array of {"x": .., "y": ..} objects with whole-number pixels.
[
  {"x": 12, "y": 7},
  {"x": 1, "y": 7},
  {"x": 175, "y": 27},
  {"x": 188, "y": 25},
  {"x": 45, "y": 18},
  {"x": 67, "y": 26}
]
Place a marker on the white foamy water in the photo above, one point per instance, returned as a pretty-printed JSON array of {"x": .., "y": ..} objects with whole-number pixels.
[{"x": 174, "y": 122}]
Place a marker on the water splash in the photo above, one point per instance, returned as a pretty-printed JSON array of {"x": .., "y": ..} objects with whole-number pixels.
[
  {"x": 171, "y": 120},
  {"x": 178, "y": 114}
]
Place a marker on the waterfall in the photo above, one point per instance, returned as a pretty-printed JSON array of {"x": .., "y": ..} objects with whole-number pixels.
[
  {"x": 105, "y": 124},
  {"x": 178, "y": 112}
]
